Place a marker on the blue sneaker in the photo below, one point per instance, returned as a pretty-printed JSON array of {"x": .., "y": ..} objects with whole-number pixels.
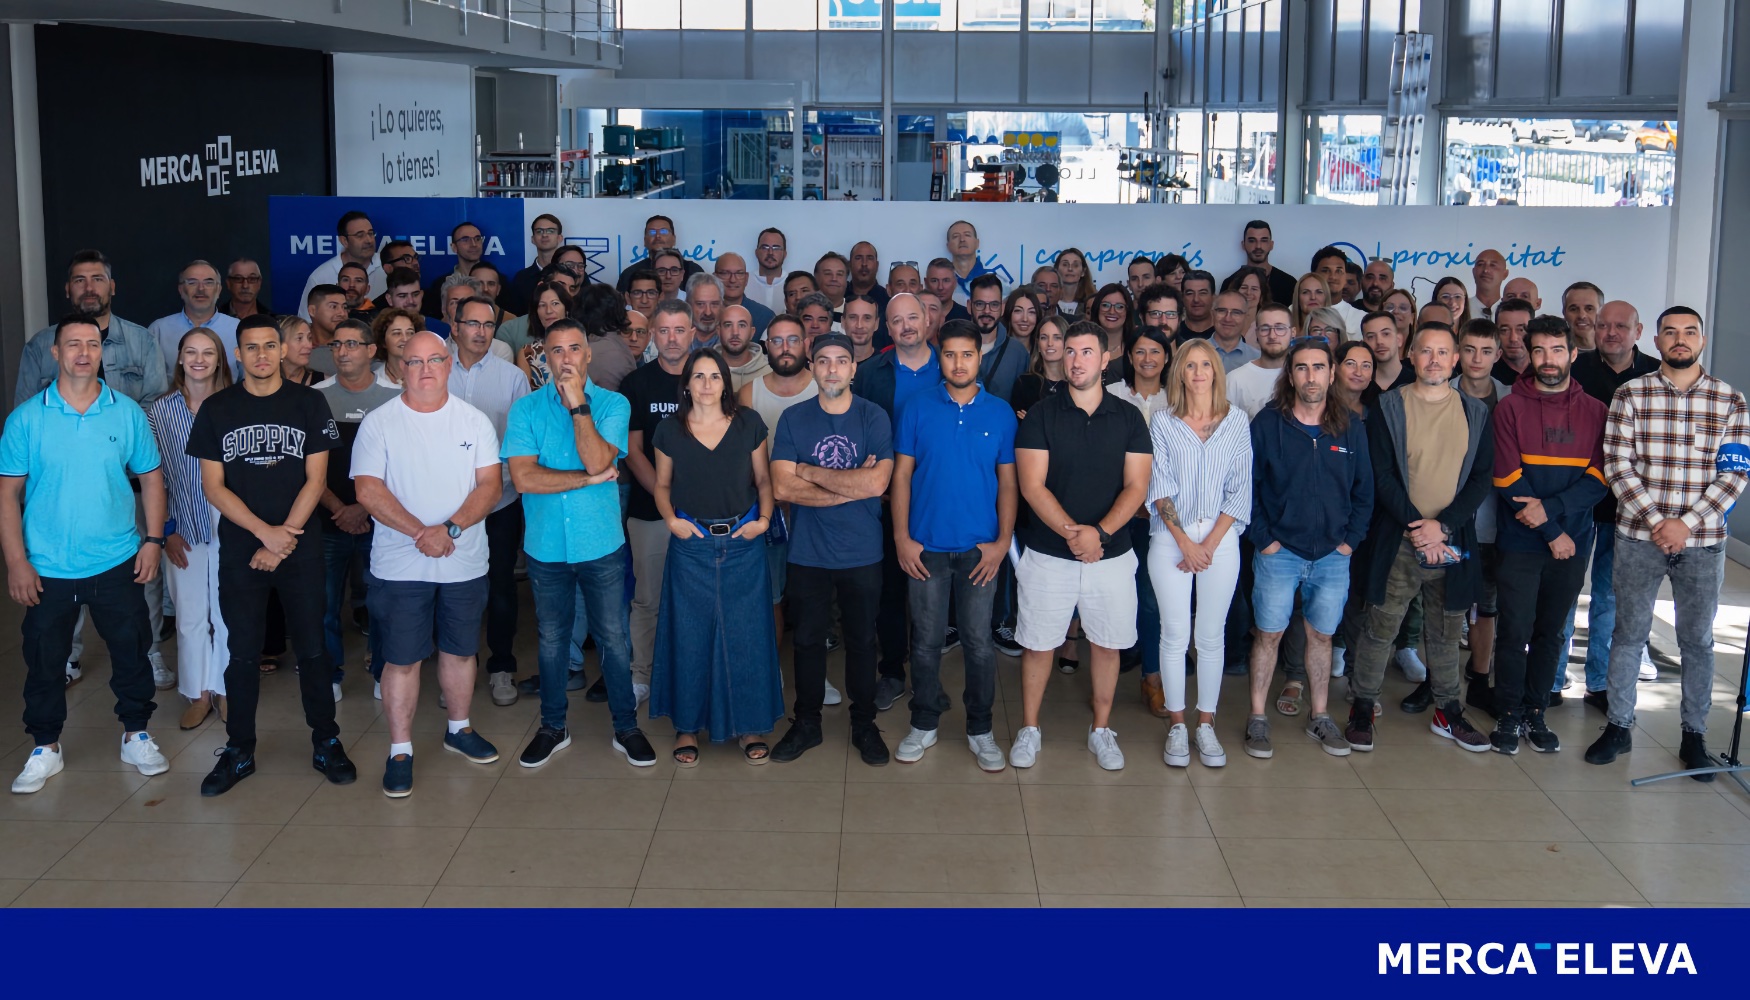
[
  {"x": 398, "y": 776},
  {"x": 471, "y": 745}
]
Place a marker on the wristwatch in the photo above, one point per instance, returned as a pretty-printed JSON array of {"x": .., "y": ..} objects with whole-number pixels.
[
  {"x": 454, "y": 529},
  {"x": 152, "y": 540},
  {"x": 580, "y": 410},
  {"x": 1105, "y": 539}
]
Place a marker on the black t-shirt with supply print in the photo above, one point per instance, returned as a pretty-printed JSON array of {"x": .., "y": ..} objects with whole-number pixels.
[{"x": 262, "y": 442}]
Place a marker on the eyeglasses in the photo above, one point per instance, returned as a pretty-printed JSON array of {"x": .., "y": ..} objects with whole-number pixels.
[
  {"x": 658, "y": 232},
  {"x": 1276, "y": 328},
  {"x": 670, "y": 271},
  {"x": 474, "y": 324},
  {"x": 244, "y": 279},
  {"x": 407, "y": 258},
  {"x": 545, "y": 231},
  {"x": 414, "y": 364},
  {"x": 1322, "y": 332},
  {"x": 350, "y": 345},
  {"x": 763, "y": 247},
  {"x": 991, "y": 307},
  {"x": 467, "y": 239},
  {"x": 1162, "y": 314},
  {"x": 641, "y": 293},
  {"x": 202, "y": 282},
  {"x": 1116, "y": 307}
]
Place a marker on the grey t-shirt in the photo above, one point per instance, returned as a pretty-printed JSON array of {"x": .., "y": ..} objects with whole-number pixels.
[{"x": 348, "y": 409}]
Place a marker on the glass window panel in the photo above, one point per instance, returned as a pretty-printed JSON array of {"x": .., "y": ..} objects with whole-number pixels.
[
  {"x": 1659, "y": 48},
  {"x": 1242, "y": 159},
  {"x": 925, "y": 15},
  {"x": 990, "y": 15},
  {"x": 849, "y": 15},
  {"x": 1320, "y": 42},
  {"x": 1522, "y": 67},
  {"x": 782, "y": 15},
  {"x": 1125, "y": 15},
  {"x": 718, "y": 14},
  {"x": 651, "y": 15},
  {"x": 1059, "y": 15},
  {"x": 1342, "y": 162},
  {"x": 1607, "y": 163},
  {"x": 1350, "y": 28},
  {"x": 1592, "y": 49},
  {"x": 1471, "y": 55}
]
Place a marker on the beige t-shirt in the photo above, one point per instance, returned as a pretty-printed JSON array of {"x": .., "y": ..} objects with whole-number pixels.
[{"x": 1436, "y": 436}]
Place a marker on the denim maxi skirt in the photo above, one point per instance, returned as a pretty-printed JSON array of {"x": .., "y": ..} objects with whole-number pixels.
[{"x": 716, "y": 663}]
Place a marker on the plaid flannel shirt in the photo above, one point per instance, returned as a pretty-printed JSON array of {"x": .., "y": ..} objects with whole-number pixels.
[{"x": 1669, "y": 453}]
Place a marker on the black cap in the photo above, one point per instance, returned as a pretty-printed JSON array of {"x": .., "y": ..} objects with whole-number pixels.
[{"x": 827, "y": 340}]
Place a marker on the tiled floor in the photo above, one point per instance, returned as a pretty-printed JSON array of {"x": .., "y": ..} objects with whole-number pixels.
[{"x": 1415, "y": 823}]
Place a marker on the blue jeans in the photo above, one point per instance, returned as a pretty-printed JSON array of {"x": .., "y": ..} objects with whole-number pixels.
[
  {"x": 601, "y": 586},
  {"x": 1696, "y": 575},
  {"x": 950, "y": 573},
  {"x": 338, "y": 551}
]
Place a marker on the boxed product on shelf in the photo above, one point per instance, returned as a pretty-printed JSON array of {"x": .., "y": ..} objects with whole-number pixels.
[{"x": 618, "y": 139}]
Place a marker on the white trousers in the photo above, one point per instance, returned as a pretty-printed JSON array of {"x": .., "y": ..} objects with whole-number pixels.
[
  {"x": 1215, "y": 592},
  {"x": 201, "y": 637}
]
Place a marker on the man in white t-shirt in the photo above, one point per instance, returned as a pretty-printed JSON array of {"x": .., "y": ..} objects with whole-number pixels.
[
  {"x": 1251, "y": 385},
  {"x": 358, "y": 244},
  {"x": 429, "y": 494}
]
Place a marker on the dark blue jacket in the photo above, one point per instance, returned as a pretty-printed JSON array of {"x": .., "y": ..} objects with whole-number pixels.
[{"x": 1310, "y": 494}]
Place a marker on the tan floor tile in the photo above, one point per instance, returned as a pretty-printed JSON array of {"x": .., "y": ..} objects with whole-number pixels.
[
  {"x": 1159, "y": 866},
  {"x": 1337, "y": 903},
  {"x": 75, "y": 795},
  {"x": 1072, "y": 764},
  {"x": 176, "y": 798},
  {"x": 1631, "y": 817},
  {"x": 1464, "y": 869},
  {"x": 435, "y": 802},
  {"x": 28, "y": 849},
  {"x": 950, "y": 761},
  {"x": 1314, "y": 813},
  {"x": 130, "y": 894},
  {"x": 277, "y": 751},
  {"x": 940, "y": 808},
  {"x": 324, "y": 895},
  {"x": 1440, "y": 767},
  {"x": 527, "y": 897},
  {"x": 1713, "y": 873},
  {"x": 938, "y": 900},
  {"x": 694, "y": 859},
  {"x": 356, "y": 855},
  {"x": 11, "y": 887},
  {"x": 1380, "y": 870},
  {"x": 1539, "y": 904},
  {"x": 1082, "y": 900},
  {"x": 1452, "y": 815},
  {"x": 1113, "y": 811},
  {"x": 1068, "y": 722},
  {"x": 1568, "y": 772},
  {"x": 751, "y": 806},
  {"x": 732, "y": 898},
  {"x": 822, "y": 763},
  {"x": 935, "y": 862},
  {"x": 549, "y": 858},
  {"x": 1294, "y": 765},
  {"x": 165, "y": 852},
  {"x": 600, "y": 804},
  {"x": 281, "y": 708}
]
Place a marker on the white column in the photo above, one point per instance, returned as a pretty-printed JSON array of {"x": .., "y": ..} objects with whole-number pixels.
[
  {"x": 1693, "y": 235},
  {"x": 27, "y": 147}
]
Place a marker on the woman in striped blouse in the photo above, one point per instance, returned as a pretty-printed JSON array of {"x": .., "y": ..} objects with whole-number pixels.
[
  {"x": 1200, "y": 496},
  {"x": 192, "y": 541}
]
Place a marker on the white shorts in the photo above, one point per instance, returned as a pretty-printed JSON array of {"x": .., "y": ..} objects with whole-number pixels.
[{"x": 1051, "y": 589}]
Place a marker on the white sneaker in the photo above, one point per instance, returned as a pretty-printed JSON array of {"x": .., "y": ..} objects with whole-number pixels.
[
  {"x": 1209, "y": 749},
  {"x": 1178, "y": 752},
  {"x": 503, "y": 686},
  {"x": 1649, "y": 669},
  {"x": 337, "y": 694},
  {"x": 42, "y": 764},
  {"x": 833, "y": 697},
  {"x": 641, "y": 692},
  {"x": 141, "y": 750},
  {"x": 1103, "y": 744},
  {"x": 1025, "y": 750},
  {"x": 911, "y": 749},
  {"x": 377, "y": 690},
  {"x": 73, "y": 675},
  {"x": 1338, "y": 665},
  {"x": 984, "y": 747},
  {"x": 163, "y": 678},
  {"x": 1411, "y": 664}
]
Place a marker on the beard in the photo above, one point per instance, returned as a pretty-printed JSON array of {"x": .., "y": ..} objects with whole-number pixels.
[
  {"x": 1372, "y": 297},
  {"x": 1680, "y": 363},
  {"x": 1555, "y": 378},
  {"x": 1310, "y": 395},
  {"x": 786, "y": 365}
]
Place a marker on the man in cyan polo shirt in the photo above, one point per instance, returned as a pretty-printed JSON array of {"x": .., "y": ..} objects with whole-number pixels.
[
  {"x": 562, "y": 444},
  {"x": 954, "y": 501},
  {"x": 65, "y": 459}
]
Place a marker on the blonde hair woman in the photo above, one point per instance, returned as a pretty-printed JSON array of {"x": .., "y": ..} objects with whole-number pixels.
[{"x": 1310, "y": 295}]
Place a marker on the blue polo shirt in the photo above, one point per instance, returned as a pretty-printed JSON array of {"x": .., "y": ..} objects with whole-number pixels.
[
  {"x": 908, "y": 383},
  {"x": 957, "y": 449},
  {"x": 78, "y": 506},
  {"x": 579, "y": 525}
]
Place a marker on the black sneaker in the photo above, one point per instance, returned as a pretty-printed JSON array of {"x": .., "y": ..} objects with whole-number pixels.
[
  {"x": 398, "y": 776},
  {"x": 1359, "y": 730},
  {"x": 802, "y": 737},
  {"x": 1478, "y": 694},
  {"x": 546, "y": 743},
  {"x": 1419, "y": 700},
  {"x": 530, "y": 684},
  {"x": 867, "y": 739},
  {"x": 1449, "y": 721},
  {"x": 635, "y": 747},
  {"x": 1505, "y": 738},
  {"x": 330, "y": 758},
  {"x": 1004, "y": 640},
  {"x": 1597, "y": 699},
  {"x": 1555, "y": 698},
  {"x": 234, "y": 765},
  {"x": 1616, "y": 740},
  {"x": 598, "y": 692},
  {"x": 832, "y": 642},
  {"x": 1538, "y": 734},
  {"x": 951, "y": 639},
  {"x": 1693, "y": 753},
  {"x": 1129, "y": 659}
]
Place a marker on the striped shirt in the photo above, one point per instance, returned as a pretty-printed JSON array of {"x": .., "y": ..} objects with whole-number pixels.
[
  {"x": 1204, "y": 479},
  {"x": 171, "y": 420},
  {"x": 1669, "y": 453}
]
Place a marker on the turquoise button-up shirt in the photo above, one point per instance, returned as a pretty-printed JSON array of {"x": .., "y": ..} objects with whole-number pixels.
[{"x": 578, "y": 525}]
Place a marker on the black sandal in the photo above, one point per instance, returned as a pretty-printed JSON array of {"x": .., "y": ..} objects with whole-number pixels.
[
  {"x": 1065, "y": 665},
  {"x": 691, "y": 758},
  {"x": 756, "y": 752}
]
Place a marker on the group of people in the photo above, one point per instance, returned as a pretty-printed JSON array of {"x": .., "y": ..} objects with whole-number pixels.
[{"x": 1318, "y": 476}]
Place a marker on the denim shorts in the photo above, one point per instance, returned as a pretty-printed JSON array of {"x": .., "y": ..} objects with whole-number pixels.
[
  {"x": 1323, "y": 586},
  {"x": 409, "y": 612}
]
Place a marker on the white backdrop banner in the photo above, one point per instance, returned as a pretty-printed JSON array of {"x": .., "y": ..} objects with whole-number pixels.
[
  {"x": 1624, "y": 251},
  {"x": 402, "y": 128}
]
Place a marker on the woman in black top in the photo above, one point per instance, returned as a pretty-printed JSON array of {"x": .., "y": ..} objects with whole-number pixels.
[
  {"x": 716, "y": 663},
  {"x": 1044, "y": 374}
]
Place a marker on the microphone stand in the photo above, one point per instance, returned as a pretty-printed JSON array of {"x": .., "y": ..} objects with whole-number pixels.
[{"x": 1730, "y": 765}]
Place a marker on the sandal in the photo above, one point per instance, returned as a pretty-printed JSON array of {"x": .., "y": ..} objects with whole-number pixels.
[
  {"x": 1287, "y": 703},
  {"x": 756, "y": 752},
  {"x": 270, "y": 664},
  {"x": 1065, "y": 665},
  {"x": 686, "y": 756}
]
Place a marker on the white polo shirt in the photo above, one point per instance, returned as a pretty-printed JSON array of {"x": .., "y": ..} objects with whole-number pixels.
[{"x": 430, "y": 469}]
